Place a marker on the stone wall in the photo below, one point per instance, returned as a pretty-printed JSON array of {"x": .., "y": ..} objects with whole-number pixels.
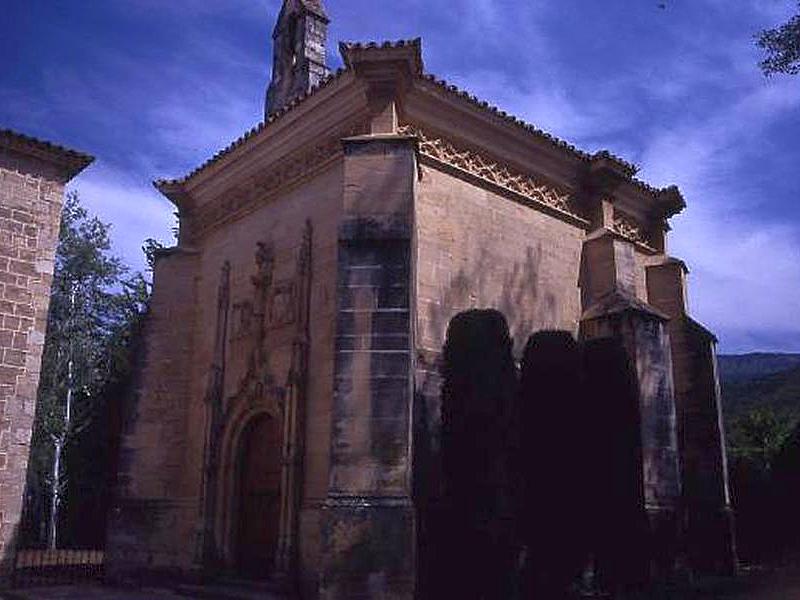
[
  {"x": 368, "y": 522},
  {"x": 159, "y": 521},
  {"x": 478, "y": 249},
  {"x": 152, "y": 503},
  {"x": 31, "y": 198}
]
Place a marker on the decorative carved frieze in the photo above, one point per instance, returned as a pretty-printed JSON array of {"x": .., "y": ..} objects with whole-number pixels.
[
  {"x": 247, "y": 195},
  {"x": 480, "y": 165},
  {"x": 627, "y": 227}
]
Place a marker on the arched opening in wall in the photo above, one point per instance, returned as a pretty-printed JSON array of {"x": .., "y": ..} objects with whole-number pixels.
[{"x": 257, "y": 511}]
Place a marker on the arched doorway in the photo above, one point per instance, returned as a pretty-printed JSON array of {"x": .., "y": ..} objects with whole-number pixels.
[{"x": 259, "y": 496}]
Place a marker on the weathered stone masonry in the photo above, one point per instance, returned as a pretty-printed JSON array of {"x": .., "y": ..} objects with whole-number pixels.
[
  {"x": 32, "y": 178},
  {"x": 423, "y": 202}
]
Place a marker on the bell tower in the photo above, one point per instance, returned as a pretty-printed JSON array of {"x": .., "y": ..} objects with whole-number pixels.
[{"x": 299, "y": 52}]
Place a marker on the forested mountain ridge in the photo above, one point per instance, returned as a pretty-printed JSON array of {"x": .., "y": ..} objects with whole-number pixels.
[
  {"x": 768, "y": 381},
  {"x": 736, "y": 367}
]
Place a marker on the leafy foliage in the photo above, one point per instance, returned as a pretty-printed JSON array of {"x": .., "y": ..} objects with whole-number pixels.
[
  {"x": 760, "y": 437},
  {"x": 772, "y": 386},
  {"x": 94, "y": 308},
  {"x": 761, "y": 395},
  {"x": 782, "y": 47}
]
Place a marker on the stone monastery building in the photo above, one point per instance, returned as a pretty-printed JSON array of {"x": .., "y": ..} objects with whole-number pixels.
[{"x": 288, "y": 399}]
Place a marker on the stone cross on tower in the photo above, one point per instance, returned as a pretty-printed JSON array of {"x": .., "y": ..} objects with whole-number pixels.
[{"x": 299, "y": 52}]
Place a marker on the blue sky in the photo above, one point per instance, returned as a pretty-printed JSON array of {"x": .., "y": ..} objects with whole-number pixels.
[{"x": 154, "y": 87}]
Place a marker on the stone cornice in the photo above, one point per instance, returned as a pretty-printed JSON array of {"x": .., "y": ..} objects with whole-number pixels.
[
  {"x": 663, "y": 203},
  {"x": 426, "y": 99},
  {"x": 405, "y": 52},
  {"x": 69, "y": 162},
  {"x": 522, "y": 187},
  {"x": 249, "y": 194},
  {"x": 335, "y": 85}
]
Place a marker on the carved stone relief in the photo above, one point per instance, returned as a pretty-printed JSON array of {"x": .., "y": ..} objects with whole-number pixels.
[
  {"x": 627, "y": 227},
  {"x": 480, "y": 165},
  {"x": 283, "y": 305},
  {"x": 273, "y": 380},
  {"x": 247, "y": 195},
  {"x": 241, "y": 321},
  {"x": 207, "y": 550}
]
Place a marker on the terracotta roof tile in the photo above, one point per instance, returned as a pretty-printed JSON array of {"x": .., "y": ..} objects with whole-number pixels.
[
  {"x": 350, "y": 50},
  {"x": 72, "y": 161},
  {"x": 670, "y": 196},
  {"x": 159, "y": 183}
]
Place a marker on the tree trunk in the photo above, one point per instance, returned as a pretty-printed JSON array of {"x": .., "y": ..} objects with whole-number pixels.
[
  {"x": 52, "y": 530},
  {"x": 59, "y": 444}
]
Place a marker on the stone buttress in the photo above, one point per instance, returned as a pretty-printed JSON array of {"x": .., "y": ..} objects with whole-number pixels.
[{"x": 701, "y": 437}]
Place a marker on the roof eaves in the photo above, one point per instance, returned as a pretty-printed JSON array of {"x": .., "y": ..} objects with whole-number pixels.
[
  {"x": 351, "y": 51},
  {"x": 503, "y": 115},
  {"x": 247, "y": 136},
  {"x": 71, "y": 161},
  {"x": 670, "y": 197}
]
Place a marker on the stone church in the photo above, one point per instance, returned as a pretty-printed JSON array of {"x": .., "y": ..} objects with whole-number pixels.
[{"x": 290, "y": 373}]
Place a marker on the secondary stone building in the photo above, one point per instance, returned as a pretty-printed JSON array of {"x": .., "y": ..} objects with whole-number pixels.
[
  {"x": 290, "y": 378},
  {"x": 32, "y": 178}
]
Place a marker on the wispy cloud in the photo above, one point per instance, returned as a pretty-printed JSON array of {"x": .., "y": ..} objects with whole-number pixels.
[
  {"x": 154, "y": 88},
  {"x": 135, "y": 210},
  {"x": 746, "y": 262}
]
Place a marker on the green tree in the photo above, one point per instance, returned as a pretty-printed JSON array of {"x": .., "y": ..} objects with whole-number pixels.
[
  {"x": 759, "y": 436},
  {"x": 93, "y": 303},
  {"x": 782, "y": 47},
  {"x": 762, "y": 452}
]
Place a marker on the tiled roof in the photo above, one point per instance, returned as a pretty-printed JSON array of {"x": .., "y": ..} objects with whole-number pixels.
[
  {"x": 671, "y": 196},
  {"x": 72, "y": 161},
  {"x": 159, "y": 183},
  {"x": 388, "y": 44},
  {"x": 484, "y": 105}
]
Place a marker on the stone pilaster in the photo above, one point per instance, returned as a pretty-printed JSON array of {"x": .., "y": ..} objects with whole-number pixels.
[
  {"x": 156, "y": 515},
  {"x": 611, "y": 309},
  {"x": 369, "y": 523},
  {"x": 710, "y": 534}
]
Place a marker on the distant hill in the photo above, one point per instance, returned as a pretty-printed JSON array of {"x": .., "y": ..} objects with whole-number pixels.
[
  {"x": 736, "y": 367},
  {"x": 760, "y": 380}
]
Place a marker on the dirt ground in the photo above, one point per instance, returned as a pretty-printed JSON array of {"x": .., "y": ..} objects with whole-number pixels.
[{"x": 753, "y": 584}]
